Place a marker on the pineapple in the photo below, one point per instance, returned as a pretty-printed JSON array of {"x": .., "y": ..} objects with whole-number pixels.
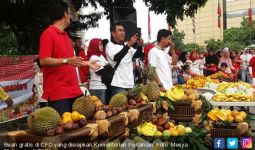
[
  {"x": 153, "y": 87},
  {"x": 135, "y": 92}
]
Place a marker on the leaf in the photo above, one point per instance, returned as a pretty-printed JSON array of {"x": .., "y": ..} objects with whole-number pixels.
[
  {"x": 170, "y": 104},
  {"x": 251, "y": 116}
]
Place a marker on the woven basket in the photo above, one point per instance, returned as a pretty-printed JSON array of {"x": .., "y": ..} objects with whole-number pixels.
[
  {"x": 182, "y": 111},
  {"x": 220, "y": 132}
]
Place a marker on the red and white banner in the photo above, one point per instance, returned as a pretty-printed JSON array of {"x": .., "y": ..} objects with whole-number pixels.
[{"x": 17, "y": 78}]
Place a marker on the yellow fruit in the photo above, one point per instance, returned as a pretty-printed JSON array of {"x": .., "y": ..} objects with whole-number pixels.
[
  {"x": 174, "y": 133},
  {"x": 230, "y": 118},
  {"x": 66, "y": 119},
  {"x": 171, "y": 124},
  {"x": 221, "y": 115},
  {"x": 82, "y": 117},
  {"x": 181, "y": 130},
  {"x": 66, "y": 115},
  {"x": 234, "y": 113},
  {"x": 238, "y": 118},
  {"x": 94, "y": 98},
  {"x": 75, "y": 116},
  {"x": 243, "y": 114},
  {"x": 212, "y": 116}
]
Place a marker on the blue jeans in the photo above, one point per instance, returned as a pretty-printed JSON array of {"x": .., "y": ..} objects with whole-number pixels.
[
  {"x": 245, "y": 76},
  {"x": 116, "y": 90},
  {"x": 100, "y": 94},
  {"x": 63, "y": 105}
]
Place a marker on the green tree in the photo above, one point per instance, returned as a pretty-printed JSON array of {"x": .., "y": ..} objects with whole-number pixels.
[
  {"x": 213, "y": 44},
  {"x": 177, "y": 38},
  {"x": 239, "y": 37},
  {"x": 193, "y": 46}
]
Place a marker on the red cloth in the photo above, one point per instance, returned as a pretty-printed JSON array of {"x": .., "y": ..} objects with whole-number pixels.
[
  {"x": 93, "y": 48},
  {"x": 59, "y": 82},
  {"x": 193, "y": 55},
  {"x": 147, "y": 49},
  {"x": 252, "y": 64},
  {"x": 83, "y": 70}
]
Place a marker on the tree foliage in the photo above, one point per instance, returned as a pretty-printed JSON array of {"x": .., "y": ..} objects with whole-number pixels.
[
  {"x": 239, "y": 37},
  {"x": 193, "y": 46},
  {"x": 26, "y": 19},
  {"x": 213, "y": 44},
  {"x": 175, "y": 9},
  {"x": 177, "y": 38}
]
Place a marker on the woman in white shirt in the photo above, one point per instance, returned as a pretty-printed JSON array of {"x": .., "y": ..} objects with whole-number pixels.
[
  {"x": 96, "y": 53},
  {"x": 195, "y": 63}
]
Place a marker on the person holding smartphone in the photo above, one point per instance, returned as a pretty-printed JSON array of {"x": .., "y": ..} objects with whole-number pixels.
[{"x": 119, "y": 51}]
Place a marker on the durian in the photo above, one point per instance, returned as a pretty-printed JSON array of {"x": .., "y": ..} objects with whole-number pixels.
[
  {"x": 42, "y": 120},
  {"x": 118, "y": 100},
  {"x": 84, "y": 106}
]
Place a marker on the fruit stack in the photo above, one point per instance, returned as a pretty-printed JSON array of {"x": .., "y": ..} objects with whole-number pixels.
[
  {"x": 161, "y": 127},
  {"x": 227, "y": 115}
]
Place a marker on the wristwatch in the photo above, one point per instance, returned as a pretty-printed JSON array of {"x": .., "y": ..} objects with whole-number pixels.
[
  {"x": 65, "y": 61},
  {"x": 160, "y": 85}
]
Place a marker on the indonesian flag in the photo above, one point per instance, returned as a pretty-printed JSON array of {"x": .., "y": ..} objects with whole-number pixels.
[
  {"x": 250, "y": 17},
  {"x": 149, "y": 26},
  {"x": 219, "y": 14}
]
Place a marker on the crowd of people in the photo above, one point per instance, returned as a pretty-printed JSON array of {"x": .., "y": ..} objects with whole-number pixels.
[{"x": 66, "y": 66}]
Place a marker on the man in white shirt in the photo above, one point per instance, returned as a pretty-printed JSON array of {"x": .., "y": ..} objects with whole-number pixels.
[
  {"x": 162, "y": 60},
  {"x": 244, "y": 71},
  {"x": 118, "y": 51}
]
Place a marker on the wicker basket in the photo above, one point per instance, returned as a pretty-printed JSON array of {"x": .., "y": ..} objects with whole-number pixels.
[
  {"x": 221, "y": 132},
  {"x": 182, "y": 111}
]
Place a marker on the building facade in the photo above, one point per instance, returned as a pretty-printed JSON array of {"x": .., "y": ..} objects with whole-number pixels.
[{"x": 204, "y": 25}]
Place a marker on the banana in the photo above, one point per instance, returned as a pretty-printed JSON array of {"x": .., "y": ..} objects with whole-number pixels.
[
  {"x": 144, "y": 97},
  {"x": 139, "y": 130},
  {"x": 147, "y": 131}
]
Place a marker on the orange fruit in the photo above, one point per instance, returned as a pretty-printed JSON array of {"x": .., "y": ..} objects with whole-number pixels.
[
  {"x": 65, "y": 120},
  {"x": 238, "y": 118},
  {"x": 243, "y": 114},
  {"x": 174, "y": 133},
  {"x": 75, "y": 116},
  {"x": 66, "y": 115},
  {"x": 234, "y": 113},
  {"x": 180, "y": 130},
  {"x": 230, "y": 118}
]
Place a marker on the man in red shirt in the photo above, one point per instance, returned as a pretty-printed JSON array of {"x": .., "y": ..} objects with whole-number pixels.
[{"x": 60, "y": 82}]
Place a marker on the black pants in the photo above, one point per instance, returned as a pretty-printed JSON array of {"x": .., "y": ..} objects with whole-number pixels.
[{"x": 63, "y": 105}]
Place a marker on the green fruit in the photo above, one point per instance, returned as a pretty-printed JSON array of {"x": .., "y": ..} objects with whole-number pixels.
[
  {"x": 118, "y": 100},
  {"x": 158, "y": 145},
  {"x": 84, "y": 106},
  {"x": 43, "y": 119},
  {"x": 153, "y": 91},
  {"x": 138, "y": 139},
  {"x": 166, "y": 134},
  {"x": 145, "y": 89},
  {"x": 188, "y": 130}
]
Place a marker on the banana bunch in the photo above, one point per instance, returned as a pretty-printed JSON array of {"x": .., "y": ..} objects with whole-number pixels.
[
  {"x": 175, "y": 93},
  {"x": 147, "y": 129},
  {"x": 233, "y": 97},
  {"x": 144, "y": 97}
]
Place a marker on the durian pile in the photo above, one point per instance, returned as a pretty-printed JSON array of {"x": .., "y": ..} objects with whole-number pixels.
[{"x": 47, "y": 122}]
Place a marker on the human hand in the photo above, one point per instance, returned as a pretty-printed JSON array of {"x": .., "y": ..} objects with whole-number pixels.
[
  {"x": 94, "y": 65},
  {"x": 76, "y": 61},
  {"x": 132, "y": 40}
]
